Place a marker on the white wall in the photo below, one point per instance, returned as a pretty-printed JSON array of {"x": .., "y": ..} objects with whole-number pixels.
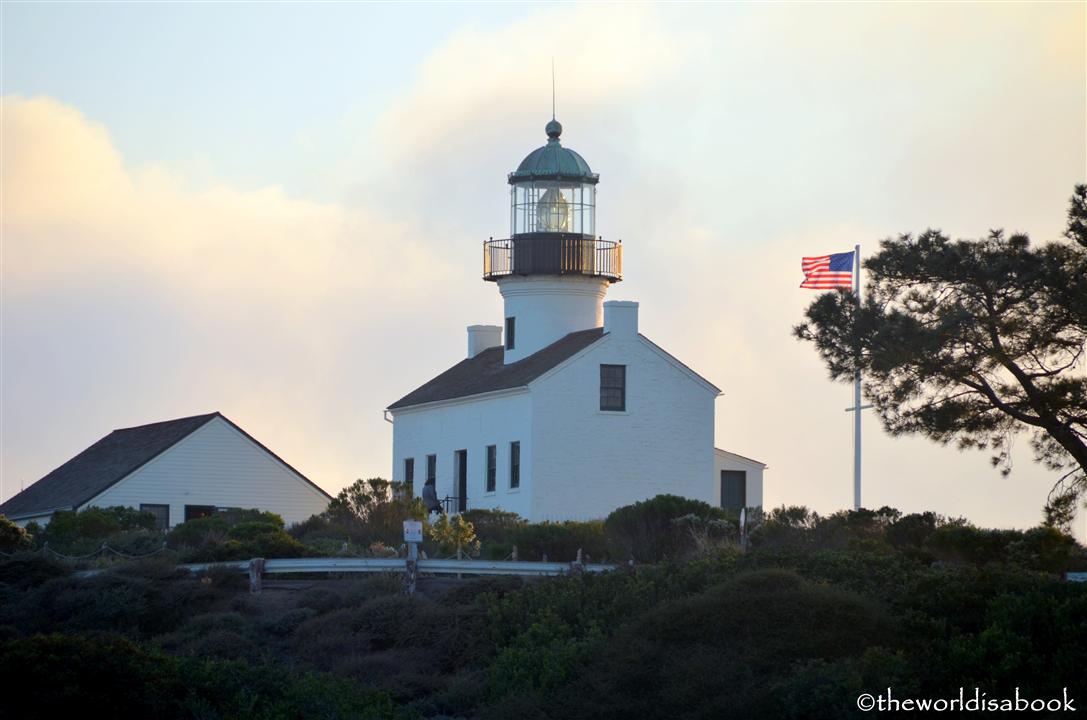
[
  {"x": 42, "y": 520},
  {"x": 472, "y": 425},
  {"x": 587, "y": 462},
  {"x": 549, "y": 307},
  {"x": 724, "y": 460},
  {"x": 216, "y": 465}
]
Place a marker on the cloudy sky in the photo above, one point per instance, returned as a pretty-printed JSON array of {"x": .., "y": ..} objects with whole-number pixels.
[{"x": 276, "y": 210}]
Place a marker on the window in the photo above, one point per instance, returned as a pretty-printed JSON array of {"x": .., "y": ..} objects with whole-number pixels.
[
  {"x": 409, "y": 476},
  {"x": 161, "y": 513},
  {"x": 431, "y": 468},
  {"x": 492, "y": 467},
  {"x": 193, "y": 512},
  {"x": 613, "y": 387},
  {"x": 515, "y": 465},
  {"x": 511, "y": 327},
  {"x": 733, "y": 489}
]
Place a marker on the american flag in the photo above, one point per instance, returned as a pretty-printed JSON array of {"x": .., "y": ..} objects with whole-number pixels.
[{"x": 827, "y": 272}]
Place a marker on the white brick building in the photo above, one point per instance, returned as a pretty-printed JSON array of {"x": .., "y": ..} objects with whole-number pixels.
[{"x": 576, "y": 413}]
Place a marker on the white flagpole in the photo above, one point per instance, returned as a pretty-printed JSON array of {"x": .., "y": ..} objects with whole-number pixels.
[{"x": 857, "y": 392}]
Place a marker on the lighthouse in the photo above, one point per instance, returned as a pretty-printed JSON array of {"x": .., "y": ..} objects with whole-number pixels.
[
  {"x": 553, "y": 271},
  {"x": 564, "y": 410}
]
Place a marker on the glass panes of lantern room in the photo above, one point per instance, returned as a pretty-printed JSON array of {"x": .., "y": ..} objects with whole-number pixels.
[{"x": 553, "y": 207}]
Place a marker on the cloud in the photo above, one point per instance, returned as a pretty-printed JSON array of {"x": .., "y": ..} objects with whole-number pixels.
[{"x": 168, "y": 300}]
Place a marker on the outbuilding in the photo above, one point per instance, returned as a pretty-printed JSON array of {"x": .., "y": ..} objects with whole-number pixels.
[{"x": 177, "y": 469}]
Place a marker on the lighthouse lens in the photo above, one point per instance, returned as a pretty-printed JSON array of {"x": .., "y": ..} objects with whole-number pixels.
[{"x": 553, "y": 212}]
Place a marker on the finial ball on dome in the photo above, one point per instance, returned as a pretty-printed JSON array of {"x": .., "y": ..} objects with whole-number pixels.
[{"x": 553, "y": 129}]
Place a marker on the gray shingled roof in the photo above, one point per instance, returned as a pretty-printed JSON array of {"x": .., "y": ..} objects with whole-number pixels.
[
  {"x": 487, "y": 371},
  {"x": 101, "y": 465},
  {"x": 108, "y": 461}
]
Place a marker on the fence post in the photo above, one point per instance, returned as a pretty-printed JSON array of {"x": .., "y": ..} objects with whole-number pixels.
[
  {"x": 256, "y": 570},
  {"x": 513, "y": 555},
  {"x": 577, "y": 567},
  {"x": 411, "y": 567}
]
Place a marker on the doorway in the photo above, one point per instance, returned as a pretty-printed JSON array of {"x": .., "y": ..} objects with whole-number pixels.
[{"x": 462, "y": 480}]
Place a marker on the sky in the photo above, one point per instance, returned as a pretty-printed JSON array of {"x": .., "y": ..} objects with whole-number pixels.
[{"x": 276, "y": 210}]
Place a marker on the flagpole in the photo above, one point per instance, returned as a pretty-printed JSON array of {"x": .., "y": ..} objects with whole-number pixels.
[{"x": 857, "y": 391}]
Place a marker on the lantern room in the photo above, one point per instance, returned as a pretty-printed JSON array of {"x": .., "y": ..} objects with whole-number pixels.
[
  {"x": 552, "y": 219},
  {"x": 553, "y": 191}
]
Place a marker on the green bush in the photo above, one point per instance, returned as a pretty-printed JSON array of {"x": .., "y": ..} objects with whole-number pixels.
[
  {"x": 1046, "y": 549},
  {"x": 718, "y": 653},
  {"x": 12, "y": 537},
  {"x": 560, "y": 541},
  {"x": 197, "y": 532},
  {"x": 61, "y": 675},
  {"x": 78, "y": 533},
  {"x": 365, "y": 512},
  {"x": 959, "y": 541},
  {"x": 25, "y": 571},
  {"x": 646, "y": 532},
  {"x": 494, "y": 526},
  {"x": 235, "y": 535}
]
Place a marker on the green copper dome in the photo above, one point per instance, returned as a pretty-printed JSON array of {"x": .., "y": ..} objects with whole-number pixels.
[{"x": 553, "y": 162}]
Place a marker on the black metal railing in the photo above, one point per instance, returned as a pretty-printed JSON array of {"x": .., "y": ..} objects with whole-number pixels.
[
  {"x": 452, "y": 504},
  {"x": 552, "y": 254}
]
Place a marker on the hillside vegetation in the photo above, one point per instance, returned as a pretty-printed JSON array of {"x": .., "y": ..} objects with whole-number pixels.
[{"x": 815, "y": 612}]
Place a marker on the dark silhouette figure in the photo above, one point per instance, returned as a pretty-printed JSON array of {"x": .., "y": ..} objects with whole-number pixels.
[{"x": 430, "y": 497}]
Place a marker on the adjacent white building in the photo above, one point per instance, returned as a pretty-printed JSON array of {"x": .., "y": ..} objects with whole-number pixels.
[
  {"x": 179, "y": 470},
  {"x": 566, "y": 410}
]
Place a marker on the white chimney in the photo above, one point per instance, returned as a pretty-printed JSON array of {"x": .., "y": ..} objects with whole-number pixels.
[
  {"x": 481, "y": 337},
  {"x": 621, "y": 318}
]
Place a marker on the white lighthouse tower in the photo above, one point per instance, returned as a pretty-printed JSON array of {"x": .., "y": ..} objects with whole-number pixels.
[{"x": 553, "y": 271}]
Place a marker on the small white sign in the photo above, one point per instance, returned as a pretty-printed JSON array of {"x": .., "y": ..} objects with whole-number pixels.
[{"x": 413, "y": 531}]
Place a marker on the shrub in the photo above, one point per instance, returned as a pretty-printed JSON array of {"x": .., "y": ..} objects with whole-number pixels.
[
  {"x": 61, "y": 675},
  {"x": 560, "y": 541},
  {"x": 1046, "y": 549},
  {"x": 27, "y": 571},
  {"x": 235, "y": 535},
  {"x": 225, "y": 635},
  {"x": 959, "y": 541},
  {"x": 365, "y": 512},
  {"x": 12, "y": 537},
  {"x": 77, "y": 533},
  {"x": 251, "y": 530},
  {"x": 58, "y": 676},
  {"x": 912, "y": 531},
  {"x": 453, "y": 535},
  {"x": 198, "y": 532},
  {"x": 786, "y": 526},
  {"x": 495, "y": 526},
  {"x": 645, "y": 530},
  {"x": 718, "y": 653}
]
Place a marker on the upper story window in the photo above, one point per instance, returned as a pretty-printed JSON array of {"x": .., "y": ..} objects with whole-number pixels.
[
  {"x": 515, "y": 464},
  {"x": 613, "y": 387},
  {"x": 511, "y": 327},
  {"x": 492, "y": 467}
]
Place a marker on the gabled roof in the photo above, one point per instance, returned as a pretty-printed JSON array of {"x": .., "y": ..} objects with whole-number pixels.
[
  {"x": 738, "y": 456},
  {"x": 107, "y": 462},
  {"x": 487, "y": 372}
]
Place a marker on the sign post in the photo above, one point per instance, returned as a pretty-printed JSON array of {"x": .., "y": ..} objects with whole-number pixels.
[{"x": 413, "y": 535}]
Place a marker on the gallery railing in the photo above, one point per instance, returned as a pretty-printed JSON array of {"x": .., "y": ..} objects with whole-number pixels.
[{"x": 552, "y": 254}]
